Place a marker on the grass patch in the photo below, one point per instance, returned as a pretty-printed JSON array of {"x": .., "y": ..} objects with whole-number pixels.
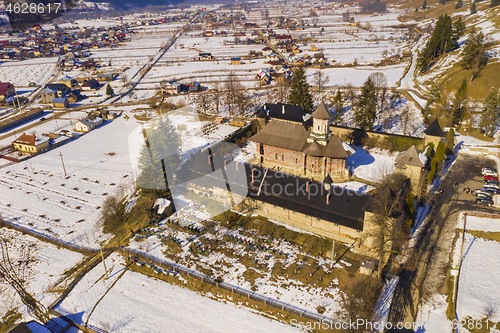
[
  {"x": 10, "y": 319},
  {"x": 479, "y": 88},
  {"x": 124, "y": 229},
  {"x": 476, "y": 133},
  {"x": 493, "y": 236}
]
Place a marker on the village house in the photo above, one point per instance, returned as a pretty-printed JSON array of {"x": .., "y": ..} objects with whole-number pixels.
[
  {"x": 60, "y": 103},
  {"x": 30, "y": 144},
  {"x": 236, "y": 61},
  {"x": 205, "y": 56},
  {"x": 91, "y": 84},
  {"x": 87, "y": 124},
  {"x": 6, "y": 90},
  {"x": 68, "y": 82}
]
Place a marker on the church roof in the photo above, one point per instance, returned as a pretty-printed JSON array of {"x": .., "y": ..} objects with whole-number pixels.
[
  {"x": 283, "y": 135},
  {"x": 286, "y": 112},
  {"x": 411, "y": 157},
  {"x": 434, "y": 129},
  {"x": 321, "y": 112},
  {"x": 294, "y": 137}
]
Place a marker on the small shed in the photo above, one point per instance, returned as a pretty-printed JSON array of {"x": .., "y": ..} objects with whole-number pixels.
[
  {"x": 367, "y": 266},
  {"x": 236, "y": 61},
  {"x": 60, "y": 103}
]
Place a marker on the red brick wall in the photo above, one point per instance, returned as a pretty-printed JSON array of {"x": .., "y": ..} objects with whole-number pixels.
[
  {"x": 291, "y": 158},
  {"x": 297, "y": 159}
]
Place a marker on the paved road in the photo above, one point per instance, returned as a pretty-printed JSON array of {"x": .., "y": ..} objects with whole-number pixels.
[{"x": 425, "y": 273}]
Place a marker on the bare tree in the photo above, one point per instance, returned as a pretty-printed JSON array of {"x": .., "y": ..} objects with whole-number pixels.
[
  {"x": 359, "y": 297},
  {"x": 320, "y": 80},
  {"x": 281, "y": 91},
  {"x": 386, "y": 208},
  {"x": 203, "y": 101},
  {"x": 234, "y": 94}
]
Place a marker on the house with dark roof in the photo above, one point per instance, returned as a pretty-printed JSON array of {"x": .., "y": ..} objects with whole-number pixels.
[
  {"x": 433, "y": 134},
  {"x": 312, "y": 152},
  {"x": 91, "y": 84}
]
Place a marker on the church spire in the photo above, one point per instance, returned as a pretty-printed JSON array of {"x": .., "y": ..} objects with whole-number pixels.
[{"x": 320, "y": 131}]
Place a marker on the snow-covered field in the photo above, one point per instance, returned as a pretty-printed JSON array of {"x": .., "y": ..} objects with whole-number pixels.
[
  {"x": 50, "y": 262},
  {"x": 478, "y": 292},
  {"x": 371, "y": 165},
  {"x": 21, "y": 73},
  {"x": 37, "y": 194},
  {"x": 157, "y": 306}
]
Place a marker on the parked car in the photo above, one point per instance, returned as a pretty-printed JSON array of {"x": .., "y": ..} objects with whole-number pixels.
[
  {"x": 482, "y": 191},
  {"x": 490, "y": 189},
  {"x": 490, "y": 173},
  {"x": 491, "y": 177},
  {"x": 484, "y": 196},
  {"x": 488, "y": 169},
  {"x": 490, "y": 182},
  {"x": 484, "y": 201}
]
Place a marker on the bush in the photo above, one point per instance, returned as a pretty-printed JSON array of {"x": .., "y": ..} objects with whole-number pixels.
[
  {"x": 432, "y": 172},
  {"x": 428, "y": 153}
]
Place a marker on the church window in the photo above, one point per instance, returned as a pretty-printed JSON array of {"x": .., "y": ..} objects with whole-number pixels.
[
  {"x": 262, "y": 149},
  {"x": 283, "y": 157},
  {"x": 275, "y": 156},
  {"x": 296, "y": 160}
]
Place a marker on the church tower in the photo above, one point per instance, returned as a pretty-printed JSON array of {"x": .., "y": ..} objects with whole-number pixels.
[{"x": 320, "y": 131}]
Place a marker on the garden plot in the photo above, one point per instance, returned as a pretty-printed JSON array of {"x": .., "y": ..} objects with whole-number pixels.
[
  {"x": 21, "y": 73},
  {"x": 37, "y": 194},
  {"x": 48, "y": 264},
  {"x": 157, "y": 305},
  {"x": 245, "y": 258}
]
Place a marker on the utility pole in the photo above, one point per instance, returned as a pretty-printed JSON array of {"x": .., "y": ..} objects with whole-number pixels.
[
  {"x": 104, "y": 263},
  {"x": 64, "y": 168},
  {"x": 333, "y": 250}
]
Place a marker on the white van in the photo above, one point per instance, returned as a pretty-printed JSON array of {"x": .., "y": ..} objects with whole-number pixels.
[{"x": 487, "y": 172}]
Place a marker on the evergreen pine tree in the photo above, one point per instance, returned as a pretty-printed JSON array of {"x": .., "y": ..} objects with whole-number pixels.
[
  {"x": 443, "y": 2},
  {"x": 109, "y": 90},
  {"x": 473, "y": 9},
  {"x": 494, "y": 3},
  {"x": 450, "y": 141},
  {"x": 443, "y": 39},
  {"x": 459, "y": 4},
  {"x": 440, "y": 152},
  {"x": 338, "y": 107},
  {"x": 366, "y": 110},
  {"x": 299, "y": 93},
  {"x": 159, "y": 157},
  {"x": 424, "y": 6},
  {"x": 491, "y": 112}
]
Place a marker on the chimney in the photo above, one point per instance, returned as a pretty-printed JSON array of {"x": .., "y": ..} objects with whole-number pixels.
[{"x": 283, "y": 109}]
